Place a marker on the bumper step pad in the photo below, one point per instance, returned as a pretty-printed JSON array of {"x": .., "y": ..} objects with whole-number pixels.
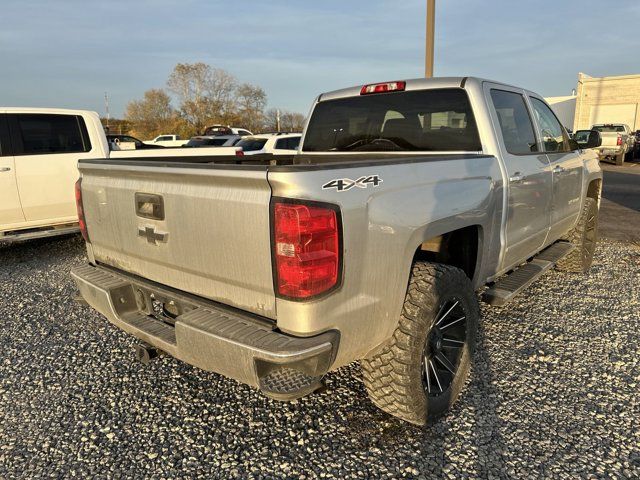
[{"x": 288, "y": 383}]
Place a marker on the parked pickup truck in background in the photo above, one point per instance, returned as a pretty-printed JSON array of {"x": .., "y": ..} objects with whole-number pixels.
[
  {"x": 406, "y": 198},
  {"x": 167, "y": 141},
  {"x": 39, "y": 152},
  {"x": 618, "y": 142}
]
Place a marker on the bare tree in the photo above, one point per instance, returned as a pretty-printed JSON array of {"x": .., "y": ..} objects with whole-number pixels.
[
  {"x": 151, "y": 114},
  {"x": 250, "y": 103},
  {"x": 205, "y": 94},
  {"x": 289, "y": 121}
]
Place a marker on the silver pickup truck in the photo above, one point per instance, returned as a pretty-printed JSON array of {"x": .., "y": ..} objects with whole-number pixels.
[
  {"x": 618, "y": 142},
  {"x": 405, "y": 200}
]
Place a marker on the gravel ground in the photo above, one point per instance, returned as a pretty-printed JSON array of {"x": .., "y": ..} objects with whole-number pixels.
[{"x": 554, "y": 393}]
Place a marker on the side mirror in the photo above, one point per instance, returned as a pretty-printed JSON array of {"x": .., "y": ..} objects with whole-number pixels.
[{"x": 588, "y": 138}]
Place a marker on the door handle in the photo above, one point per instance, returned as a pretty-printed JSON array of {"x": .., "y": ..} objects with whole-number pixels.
[
  {"x": 517, "y": 178},
  {"x": 558, "y": 169},
  {"x": 5, "y": 169}
]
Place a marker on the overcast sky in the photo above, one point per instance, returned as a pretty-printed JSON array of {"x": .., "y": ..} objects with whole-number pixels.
[{"x": 67, "y": 53}]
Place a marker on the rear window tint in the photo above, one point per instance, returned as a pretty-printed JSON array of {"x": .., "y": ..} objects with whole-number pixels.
[
  {"x": 47, "y": 134},
  {"x": 420, "y": 120}
]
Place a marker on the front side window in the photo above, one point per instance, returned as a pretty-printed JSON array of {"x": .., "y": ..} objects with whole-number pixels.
[
  {"x": 515, "y": 123},
  {"x": 47, "y": 134},
  {"x": 550, "y": 128},
  {"x": 418, "y": 120}
]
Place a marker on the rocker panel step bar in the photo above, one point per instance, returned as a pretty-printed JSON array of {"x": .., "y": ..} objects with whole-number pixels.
[
  {"x": 507, "y": 287},
  {"x": 16, "y": 236}
]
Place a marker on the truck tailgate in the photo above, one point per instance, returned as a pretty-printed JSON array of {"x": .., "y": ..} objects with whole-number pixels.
[
  {"x": 609, "y": 139},
  {"x": 213, "y": 241}
]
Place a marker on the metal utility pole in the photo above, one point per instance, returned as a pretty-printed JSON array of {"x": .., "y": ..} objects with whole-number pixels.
[
  {"x": 106, "y": 106},
  {"x": 431, "y": 30},
  {"x": 277, "y": 120}
]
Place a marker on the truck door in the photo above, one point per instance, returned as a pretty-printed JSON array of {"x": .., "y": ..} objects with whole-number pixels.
[
  {"x": 10, "y": 208},
  {"x": 527, "y": 170},
  {"x": 47, "y": 148},
  {"x": 566, "y": 170}
]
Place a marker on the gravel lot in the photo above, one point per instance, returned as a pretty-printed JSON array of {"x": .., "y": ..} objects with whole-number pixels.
[{"x": 554, "y": 393}]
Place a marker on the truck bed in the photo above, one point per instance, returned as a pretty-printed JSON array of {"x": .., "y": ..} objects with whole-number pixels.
[{"x": 214, "y": 237}]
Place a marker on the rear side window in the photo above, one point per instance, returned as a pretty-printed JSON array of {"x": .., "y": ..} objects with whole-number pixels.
[
  {"x": 515, "y": 122},
  {"x": 290, "y": 143},
  {"x": 49, "y": 134},
  {"x": 550, "y": 129},
  {"x": 4, "y": 136},
  {"x": 251, "y": 144},
  {"x": 420, "y": 120}
]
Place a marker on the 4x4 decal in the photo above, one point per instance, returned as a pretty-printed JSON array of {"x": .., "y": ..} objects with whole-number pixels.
[{"x": 342, "y": 184}]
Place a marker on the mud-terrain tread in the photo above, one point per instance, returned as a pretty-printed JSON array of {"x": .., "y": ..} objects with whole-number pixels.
[
  {"x": 392, "y": 375},
  {"x": 573, "y": 261}
]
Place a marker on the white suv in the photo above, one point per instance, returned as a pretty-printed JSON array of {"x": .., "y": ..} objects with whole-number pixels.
[{"x": 274, "y": 143}]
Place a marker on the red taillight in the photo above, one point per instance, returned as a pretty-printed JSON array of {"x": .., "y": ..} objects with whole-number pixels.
[
  {"x": 239, "y": 153},
  {"x": 306, "y": 247},
  {"x": 619, "y": 142},
  {"x": 383, "y": 87},
  {"x": 80, "y": 209}
]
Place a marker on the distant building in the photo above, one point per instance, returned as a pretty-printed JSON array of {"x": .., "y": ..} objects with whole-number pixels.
[
  {"x": 564, "y": 108},
  {"x": 607, "y": 100}
]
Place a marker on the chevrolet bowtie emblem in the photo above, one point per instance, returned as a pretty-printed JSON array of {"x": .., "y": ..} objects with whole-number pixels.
[{"x": 152, "y": 236}]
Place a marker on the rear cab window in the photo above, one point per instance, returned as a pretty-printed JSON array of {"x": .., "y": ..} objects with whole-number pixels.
[
  {"x": 416, "y": 120},
  {"x": 609, "y": 128},
  {"x": 42, "y": 134}
]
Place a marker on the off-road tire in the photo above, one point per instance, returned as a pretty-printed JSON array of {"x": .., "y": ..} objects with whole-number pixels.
[
  {"x": 584, "y": 236},
  {"x": 619, "y": 159},
  {"x": 628, "y": 157},
  {"x": 393, "y": 375}
]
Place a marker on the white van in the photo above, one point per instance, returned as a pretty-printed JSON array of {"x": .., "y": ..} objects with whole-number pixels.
[{"x": 39, "y": 152}]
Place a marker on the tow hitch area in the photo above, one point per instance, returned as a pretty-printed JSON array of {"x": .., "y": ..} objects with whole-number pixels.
[{"x": 145, "y": 353}]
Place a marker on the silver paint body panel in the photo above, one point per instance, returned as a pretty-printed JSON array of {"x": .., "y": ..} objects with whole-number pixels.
[{"x": 218, "y": 223}]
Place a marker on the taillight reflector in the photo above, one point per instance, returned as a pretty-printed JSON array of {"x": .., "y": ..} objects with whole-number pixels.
[
  {"x": 383, "y": 87},
  {"x": 240, "y": 153},
  {"x": 619, "y": 142},
  {"x": 306, "y": 249},
  {"x": 79, "y": 207}
]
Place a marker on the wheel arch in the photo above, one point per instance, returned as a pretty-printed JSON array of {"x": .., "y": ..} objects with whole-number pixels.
[{"x": 460, "y": 246}]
